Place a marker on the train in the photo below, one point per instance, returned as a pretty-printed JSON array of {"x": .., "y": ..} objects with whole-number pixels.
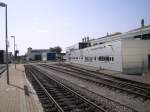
[{"x": 127, "y": 52}]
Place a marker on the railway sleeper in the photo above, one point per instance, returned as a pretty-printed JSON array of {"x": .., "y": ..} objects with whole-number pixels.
[
  {"x": 123, "y": 85},
  {"x": 85, "y": 106}
]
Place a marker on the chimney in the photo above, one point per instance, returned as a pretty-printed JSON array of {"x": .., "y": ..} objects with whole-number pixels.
[
  {"x": 82, "y": 39},
  {"x": 142, "y": 23},
  {"x": 107, "y": 34},
  {"x": 87, "y": 38}
]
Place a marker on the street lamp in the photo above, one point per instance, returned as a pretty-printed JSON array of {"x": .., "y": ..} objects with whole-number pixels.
[
  {"x": 6, "y": 34},
  {"x": 14, "y": 50}
]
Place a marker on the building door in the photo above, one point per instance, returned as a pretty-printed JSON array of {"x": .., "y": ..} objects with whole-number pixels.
[
  {"x": 149, "y": 61},
  {"x": 37, "y": 57}
]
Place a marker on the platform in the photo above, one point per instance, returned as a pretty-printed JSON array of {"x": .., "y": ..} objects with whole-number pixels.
[{"x": 13, "y": 97}]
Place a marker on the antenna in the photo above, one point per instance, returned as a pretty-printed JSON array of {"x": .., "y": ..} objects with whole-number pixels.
[
  {"x": 142, "y": 23},
  {"x": 87, "y": 38},
  {"x": 107, "y": 34}
]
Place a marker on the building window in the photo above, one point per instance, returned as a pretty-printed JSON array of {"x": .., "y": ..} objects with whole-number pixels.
[
  {"x": 105, "y": 58},
  {"x": 95, "y": 58},
  {"x": 99, "y": 58},
  {"x": 112, "y": 58}
]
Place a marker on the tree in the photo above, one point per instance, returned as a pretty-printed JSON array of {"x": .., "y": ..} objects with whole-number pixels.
[
  {"x": 52, "y": 49},
  {"x": 56, "y": 49}
]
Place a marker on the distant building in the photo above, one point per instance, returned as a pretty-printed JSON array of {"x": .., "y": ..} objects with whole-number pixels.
[
  {"x": 3, "y": 57},
  {"x": 40, "y": 55}
]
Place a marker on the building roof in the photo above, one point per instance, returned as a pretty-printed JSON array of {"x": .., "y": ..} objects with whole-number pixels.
[{"x": 122, "y": 35}]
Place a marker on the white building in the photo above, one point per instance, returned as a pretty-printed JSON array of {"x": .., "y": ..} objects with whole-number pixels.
[{"x": 128, "y": 52}]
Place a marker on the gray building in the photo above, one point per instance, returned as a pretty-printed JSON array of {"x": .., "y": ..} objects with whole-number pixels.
[
  {"x": 3, "y": 57},
  {"x": 40, "y": 54}
]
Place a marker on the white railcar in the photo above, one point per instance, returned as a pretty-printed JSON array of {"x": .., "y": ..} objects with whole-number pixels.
[{"x": 128, "y": 52}]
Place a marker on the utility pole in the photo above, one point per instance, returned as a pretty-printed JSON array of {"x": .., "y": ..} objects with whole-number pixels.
[
  {"x": 6, "y": 37},
  {"x": 14, "y": 51}
]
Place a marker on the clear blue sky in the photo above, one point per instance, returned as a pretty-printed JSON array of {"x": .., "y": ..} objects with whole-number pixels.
[{"x": 48, "y": 23}]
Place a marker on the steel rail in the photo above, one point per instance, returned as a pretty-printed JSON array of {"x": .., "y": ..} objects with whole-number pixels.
[
  {"x": 2, "y": 69},
  {"x": 47, "y": 93},
  {"x": 70, "y": 90},
  {"x": 121, "y": 83},
  {"x": 131, "y": 82},
  {"x": 103, "y": 97},
  {"x": 104, "y": 83},
  {"x": 79, "y": 70}
]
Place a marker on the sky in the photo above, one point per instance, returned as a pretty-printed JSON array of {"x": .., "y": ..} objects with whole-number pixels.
[{"x": 42, "y": 24}]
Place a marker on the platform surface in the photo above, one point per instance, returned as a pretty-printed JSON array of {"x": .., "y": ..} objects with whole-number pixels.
[{"x": 12, "y": 96}]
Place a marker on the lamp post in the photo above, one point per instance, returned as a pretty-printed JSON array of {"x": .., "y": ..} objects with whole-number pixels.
[
  {"x": 14, "y": 50},
  {"x": 6, "y": 34}
]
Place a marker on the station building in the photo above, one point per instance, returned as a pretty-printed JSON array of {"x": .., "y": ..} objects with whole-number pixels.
[
  {"x": 127, "y": 52},
  {"x": 40, "y": 55}
]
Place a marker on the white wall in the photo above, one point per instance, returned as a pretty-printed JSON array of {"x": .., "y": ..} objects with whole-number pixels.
[
  {"x": 112, "y": 49},
  {"x": 44, "y": 56},
  {"x": 135, "y": 55}
]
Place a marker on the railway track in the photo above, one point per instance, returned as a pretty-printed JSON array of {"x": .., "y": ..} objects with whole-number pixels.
[
  {"x": 129, "y": 88},
  {"x": 127, "y": 81},
  {"x": 2, "y": 69},
  {"x": 56, "y": 97}
]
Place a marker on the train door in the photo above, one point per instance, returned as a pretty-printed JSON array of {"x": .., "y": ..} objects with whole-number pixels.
[{"x": 149, "y": 61}]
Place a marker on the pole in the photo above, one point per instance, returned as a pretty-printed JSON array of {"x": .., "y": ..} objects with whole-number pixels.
[
  {"x": 14, "y": 53},
  {"x": 6, "y": 44}
]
